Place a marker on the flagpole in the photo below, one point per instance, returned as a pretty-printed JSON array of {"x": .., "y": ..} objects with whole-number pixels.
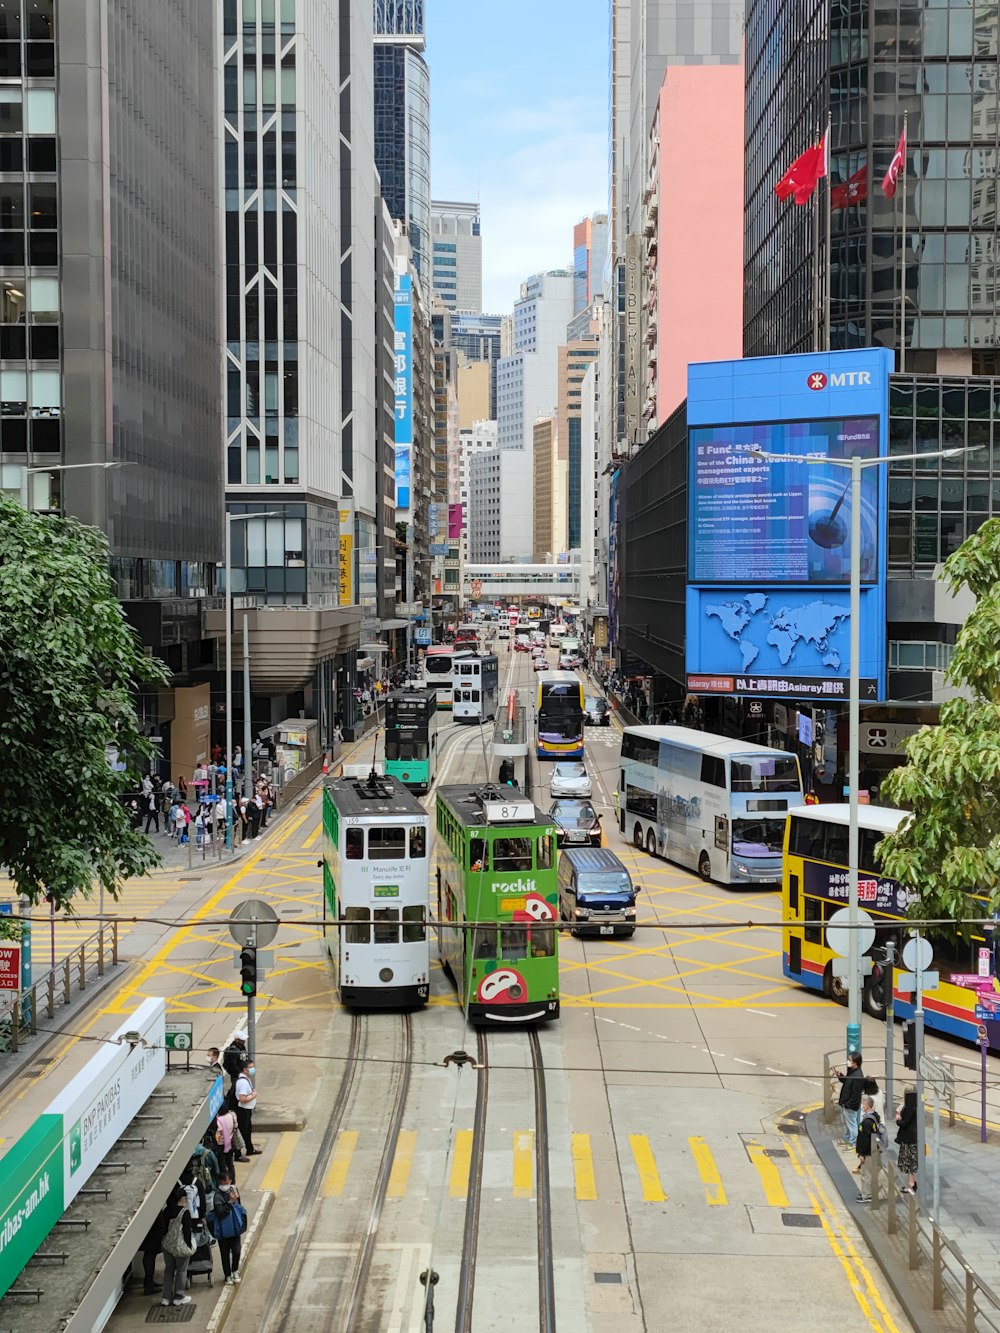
[
  {"x": 815, "y": 283},
  {"x": 902, "y": 256},
  {"x": 829, "y": 226}
]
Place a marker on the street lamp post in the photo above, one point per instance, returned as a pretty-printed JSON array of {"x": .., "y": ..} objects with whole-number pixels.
[
  {"x": 230, "y": 520},
  {"x": 856, "y": 464}
]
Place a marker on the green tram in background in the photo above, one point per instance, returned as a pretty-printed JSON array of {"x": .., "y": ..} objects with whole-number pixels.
[
  {"x": 411, "y": 719},
  {"x": 497, "y": 881}
]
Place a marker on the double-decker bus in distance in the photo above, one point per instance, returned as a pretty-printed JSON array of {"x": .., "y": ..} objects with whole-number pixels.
[
  {"x": 475, "y": 688},
  {"x": 708, "y": 802},
  {"x": 559, "y": 716},
  {"x": 497, "y": 903},
  {"x": 815, "y": 885},
  {"x": 411, "y": 737},
  {"x": 439, "y": 665},
  {"x": 376, "y": 883}
]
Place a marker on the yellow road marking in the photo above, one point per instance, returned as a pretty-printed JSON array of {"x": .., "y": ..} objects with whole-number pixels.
[
  {"x": 858, "y": 1276},
  {"x": 340, "y": 1163},
  {"x": 524, "y": 1153},
  {"x": 770, "y": 1177},
  {"x": 401, "y": 1163},
  {"x": 274, "y": 1176},
  {"x": 309, "y": 842},
  {"x": 649, "y": 1177},
  {"x": 709, "y": 1172},
  {"x": 461, "y": 1164},
  {"x": 583, "y": 1167}
]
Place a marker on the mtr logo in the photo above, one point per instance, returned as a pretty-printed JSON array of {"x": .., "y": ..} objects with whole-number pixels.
[{"x": 845, "y": 379}]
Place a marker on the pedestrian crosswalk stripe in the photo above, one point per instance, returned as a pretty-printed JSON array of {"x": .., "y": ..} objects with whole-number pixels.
[
  {"x": 340, "y": 1163},
  {"x": 715, "y": 1195},
  {"x": 649, "y": 1176},
  {"x": 770, "y": 1177},
  {"x": 524, "y": 1151},
  {"x": 461, "y": 1163},
  {"x": 402, "y": 1163},
  {"x": 583, "y": 1167},
  {"x": 274, "y": 1176}
]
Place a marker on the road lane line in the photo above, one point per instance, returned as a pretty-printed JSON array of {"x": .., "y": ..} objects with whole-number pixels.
[
  {"x": 311, "y": 840},
  {"x": 649, "y": 1177},
  {"x": 583, "y": 1167},
  {"x": 751, "y": 1063},
  {"x": 402, "y": 1163},
  {"x": 524, "y": 1158},
  {"x": 340, "y": 1164},
  {"x": 274, "y": 1176},
  {"x": 763, "y": 1013},
  {"x": 770, "y": 1177},
  {"x": 461, "y": 1164},
  {"x": 709, "y": 1172}
]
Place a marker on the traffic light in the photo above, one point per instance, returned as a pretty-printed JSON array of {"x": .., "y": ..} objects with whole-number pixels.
[
  {"x": 248, "y": 971},
  {"x": 910, "y": 1045}
]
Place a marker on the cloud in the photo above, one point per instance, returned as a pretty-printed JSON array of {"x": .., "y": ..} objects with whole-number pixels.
[{"x": 543, "y": 166}]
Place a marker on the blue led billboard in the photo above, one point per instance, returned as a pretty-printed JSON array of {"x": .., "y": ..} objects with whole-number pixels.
[
  {"x": 403, "y": 381},
  {"x": 769, "y": 541}
]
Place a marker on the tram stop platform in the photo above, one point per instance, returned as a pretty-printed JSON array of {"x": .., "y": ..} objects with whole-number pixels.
[{"x": 76, "y": 1256}]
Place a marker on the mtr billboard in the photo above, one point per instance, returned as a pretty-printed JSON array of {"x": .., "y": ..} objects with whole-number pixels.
[{"x": 769, "y": 541}]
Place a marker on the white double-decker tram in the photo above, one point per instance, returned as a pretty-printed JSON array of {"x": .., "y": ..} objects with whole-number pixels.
[{"x": 376, "y": 882}]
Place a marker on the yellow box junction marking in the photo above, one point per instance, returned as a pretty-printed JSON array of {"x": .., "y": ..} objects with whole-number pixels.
[
  {"x": 583, "y": 1167},
  {"x": 649, "y": 1177},
  {"x": 709, "y": 1172}
]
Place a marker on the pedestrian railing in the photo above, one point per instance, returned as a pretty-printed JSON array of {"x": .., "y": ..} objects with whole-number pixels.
[{"x": 55, "y": 989}]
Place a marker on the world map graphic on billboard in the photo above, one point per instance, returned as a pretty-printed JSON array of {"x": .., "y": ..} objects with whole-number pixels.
[{"x": 784, "y": 633}]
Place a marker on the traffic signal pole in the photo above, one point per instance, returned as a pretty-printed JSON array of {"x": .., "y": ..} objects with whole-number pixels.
[
  {"x": 249, "y": 987},
  {"x": 887, "y": 985}
]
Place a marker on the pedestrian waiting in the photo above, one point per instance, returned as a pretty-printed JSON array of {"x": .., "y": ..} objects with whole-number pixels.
[
  {"x": 229, "y": 1222},
  {"x": 178, "y": 1249}
]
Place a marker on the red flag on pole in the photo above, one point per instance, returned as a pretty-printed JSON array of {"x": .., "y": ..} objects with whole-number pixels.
[
  {"x": 852, "y": 191},
  {"x": 802, "y": 177},
  {"x": 895, "y": 167}
]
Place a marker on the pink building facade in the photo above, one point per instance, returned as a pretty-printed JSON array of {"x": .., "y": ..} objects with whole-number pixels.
[{"x": 692, "y": 231}]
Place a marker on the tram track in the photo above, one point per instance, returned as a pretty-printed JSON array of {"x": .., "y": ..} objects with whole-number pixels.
[
  {"x": 288, "y": 1302},
  {"x": 474, "y": 1196}
]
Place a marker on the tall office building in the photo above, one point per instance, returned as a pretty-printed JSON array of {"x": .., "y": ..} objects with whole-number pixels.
[
  {"x": 305, "y": 354},
  {"x": 574, "y": 360},
  {"x": 403, "y": 121},
  {"x": 457, "y": 255},
  {"x": 590, "y": 255},
  {"x": 109, "y": 324}
]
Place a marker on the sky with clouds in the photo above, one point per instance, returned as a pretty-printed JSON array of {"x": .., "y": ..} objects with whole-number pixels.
[{"x": 519, "y": 120}]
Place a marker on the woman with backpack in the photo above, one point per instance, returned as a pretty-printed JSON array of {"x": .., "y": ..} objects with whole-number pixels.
[
  {"x": 178, "y": 1249},
  {"x": 868, "y": 1128}
]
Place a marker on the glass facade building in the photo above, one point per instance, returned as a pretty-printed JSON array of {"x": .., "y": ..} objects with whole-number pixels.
[{"x": 403, "y": 121}]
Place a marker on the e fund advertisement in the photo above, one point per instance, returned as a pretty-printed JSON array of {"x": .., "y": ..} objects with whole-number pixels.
[{"x": 769, "y": 537}]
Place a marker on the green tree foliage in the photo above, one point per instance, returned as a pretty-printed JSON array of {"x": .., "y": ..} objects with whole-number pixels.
[
  {"x": 69, "y": 669},
  {"x": 950, "y": 849}
]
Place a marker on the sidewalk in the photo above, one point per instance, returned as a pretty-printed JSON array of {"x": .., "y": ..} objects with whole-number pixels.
[{"x": 970, "y": 1186}]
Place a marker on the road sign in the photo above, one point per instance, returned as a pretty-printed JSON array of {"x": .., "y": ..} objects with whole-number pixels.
[
  {"x": 987, "y": 1011},
  {"x": 917, "y": 953},
  {"x": 907, "y": 981},
  {"x": 179, "y": 1036},
  {"x": 939, "y": 1076},
  {"x": 838, "y": 936},
  {"x": 260, "y": 915},
  {"x": 10, "y": 967}
]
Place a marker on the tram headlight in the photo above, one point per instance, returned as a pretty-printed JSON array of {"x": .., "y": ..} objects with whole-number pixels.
[{"x": 386, "y": 974}]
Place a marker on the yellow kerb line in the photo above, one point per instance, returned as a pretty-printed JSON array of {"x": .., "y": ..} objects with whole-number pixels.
[
  {"x": 524, "y": 1161},
  {"x": 340, "y": 1163},
  {"x": 461, "y": 1164},
  {"x": 649, "y": 1177},
  {"x": 770, "y": 1177},
  {"x": 402, "y": 1163},
  {"x": 274, "y": 1176},
  {"x": 709, "y": 1172}
]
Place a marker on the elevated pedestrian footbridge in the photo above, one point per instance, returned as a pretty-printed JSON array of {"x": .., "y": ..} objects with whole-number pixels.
[{"x": 551, "y": 582}]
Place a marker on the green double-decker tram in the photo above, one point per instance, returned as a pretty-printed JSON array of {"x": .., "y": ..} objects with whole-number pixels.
[
  {"x": 411, "y": 720},
  {"x": 497, "y": 904}
]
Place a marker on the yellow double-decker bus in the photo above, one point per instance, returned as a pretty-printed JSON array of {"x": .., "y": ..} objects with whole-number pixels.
[{"x": 815, "y": 885}]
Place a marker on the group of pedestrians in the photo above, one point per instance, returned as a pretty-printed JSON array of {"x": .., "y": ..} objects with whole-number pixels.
[
  {"x": 197, "y": 810},
  {"x": 862, "y": 1106}
]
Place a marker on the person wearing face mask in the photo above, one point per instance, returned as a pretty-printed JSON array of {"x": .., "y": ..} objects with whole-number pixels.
[{"x": 246, "y": 1103}]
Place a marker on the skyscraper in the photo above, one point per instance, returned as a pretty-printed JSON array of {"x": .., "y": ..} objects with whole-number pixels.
[
  {"x": 403, "y": 121},
  {"x": 109, "y": 322},
  {"x": 457, "y": 255},
  {"x": 590, "y": 255}
]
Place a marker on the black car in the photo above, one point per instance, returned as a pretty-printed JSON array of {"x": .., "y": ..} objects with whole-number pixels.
[
  {"x": 596, "y": 712},
  {"x": 577, "y": 823}
]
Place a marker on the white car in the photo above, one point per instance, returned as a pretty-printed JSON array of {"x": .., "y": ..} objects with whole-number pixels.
[
  {"x": 570, "y": 779},
  {"x": 503, "y": 633}
]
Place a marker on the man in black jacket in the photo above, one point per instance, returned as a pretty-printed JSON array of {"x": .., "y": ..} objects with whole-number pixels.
[{"x": 852, "y": 1087}]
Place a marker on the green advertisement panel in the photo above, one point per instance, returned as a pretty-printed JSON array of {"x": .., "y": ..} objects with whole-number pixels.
[{"x": 31, "y": 1195}]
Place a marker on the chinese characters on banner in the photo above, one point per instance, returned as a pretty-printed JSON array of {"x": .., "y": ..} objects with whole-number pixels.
[{"x": 403, "y": 384}]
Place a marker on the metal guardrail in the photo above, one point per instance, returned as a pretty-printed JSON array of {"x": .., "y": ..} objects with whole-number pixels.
[
  {"x": 954, "y": 1282},
  {"x": 55, "y": 988}
]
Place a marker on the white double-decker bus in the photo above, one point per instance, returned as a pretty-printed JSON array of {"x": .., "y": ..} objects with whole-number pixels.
[
  {"x": 708, "y": 802},
  {"x": 439, "y": 670},
  {"x": 475, "y": 688}
]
